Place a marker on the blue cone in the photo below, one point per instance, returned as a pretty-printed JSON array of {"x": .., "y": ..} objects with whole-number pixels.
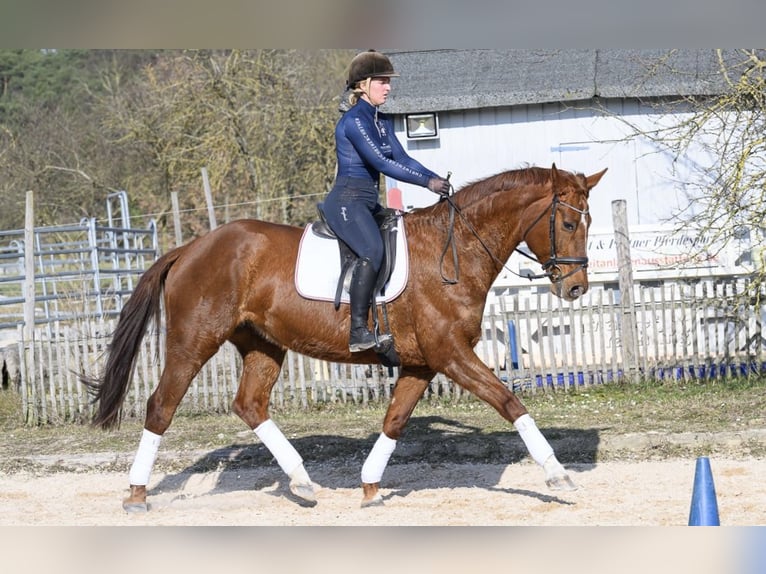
[{"x": 704, "y": 508}]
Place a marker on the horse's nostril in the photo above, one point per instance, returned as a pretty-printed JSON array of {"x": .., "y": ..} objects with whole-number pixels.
[{"x": 575, "y": 291}]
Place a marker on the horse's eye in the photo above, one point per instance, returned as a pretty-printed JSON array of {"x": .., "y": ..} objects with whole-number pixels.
[{"x": 569, "y": 226}]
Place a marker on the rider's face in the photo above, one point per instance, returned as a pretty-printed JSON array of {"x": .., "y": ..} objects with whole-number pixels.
[{"x": 378, "y": 91}]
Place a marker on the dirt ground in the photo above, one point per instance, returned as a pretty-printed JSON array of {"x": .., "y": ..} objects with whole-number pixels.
[{"x": 624, "y": 492}]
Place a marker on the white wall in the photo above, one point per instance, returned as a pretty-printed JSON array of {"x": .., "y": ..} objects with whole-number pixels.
[
  {"x": 479, "y": 143},
  {"x": 656, "y": 186}
]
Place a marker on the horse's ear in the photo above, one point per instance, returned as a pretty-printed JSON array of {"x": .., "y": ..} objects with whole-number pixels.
[
  {"x": 592, "y": 180},
  {"x": 554, "y": 177}
]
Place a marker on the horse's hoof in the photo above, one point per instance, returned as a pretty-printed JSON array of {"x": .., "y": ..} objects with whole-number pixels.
[
  {"x": 135, "y": 507},
  {"x": 376, "y": 500},
  {"x": 136, "y": 502},
  {"x": 304, "y": 491},
  {"x": 561, "y": 483},
  {"x": 556, "y": 477},
  {"x": 371, "y": 492}
]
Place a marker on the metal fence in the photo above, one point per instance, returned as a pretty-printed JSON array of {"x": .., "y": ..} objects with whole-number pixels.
[
  {"x": 533, "y": 343},
  {"x": 83, "y": 270}
]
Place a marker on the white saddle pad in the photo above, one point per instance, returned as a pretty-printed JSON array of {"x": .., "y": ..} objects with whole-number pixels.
[{"x": 318, "y": 268}]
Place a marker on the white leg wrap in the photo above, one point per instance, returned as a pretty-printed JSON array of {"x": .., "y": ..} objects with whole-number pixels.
[
  {"x": 299, "y": 475},
  {"x": 145, "y": 457},
  {"x": 287, "y": 457},
  {"x": 536, "y": 444},
  {"x": 376, "y": 462}
]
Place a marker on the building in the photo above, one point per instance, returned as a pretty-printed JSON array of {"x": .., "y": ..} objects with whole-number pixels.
[{"x": 478, "y": 112}]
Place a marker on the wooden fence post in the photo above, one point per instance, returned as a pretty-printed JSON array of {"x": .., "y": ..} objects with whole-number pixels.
[
  {"x": 628, "y": 327},
  {"x": 209, "y": 199},
  {"x": 176, "y": 217},
  {"x": 28, "y": 333}
]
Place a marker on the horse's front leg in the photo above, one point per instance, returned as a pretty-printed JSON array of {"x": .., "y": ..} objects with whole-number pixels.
[
  {"x": 468, "y": 371},
  {"x": 408, "y": 389},
  {"x": 260, "y": 371}
]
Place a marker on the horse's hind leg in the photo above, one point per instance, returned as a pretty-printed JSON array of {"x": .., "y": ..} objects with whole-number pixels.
[
  {"x": 409, "y": 388},
  {"x": 160, "y": 408},
  {"x": 262, "y": 363}
]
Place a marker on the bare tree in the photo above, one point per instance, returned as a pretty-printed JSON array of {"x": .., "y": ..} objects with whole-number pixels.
[
  {"x": 729, "y": 129},
  {"x": 51, "y": 140},
  {"x": 261, "y": 121},
  {"x": 58, "y": 156}
]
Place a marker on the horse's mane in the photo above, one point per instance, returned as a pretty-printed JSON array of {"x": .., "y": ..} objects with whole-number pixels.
[
  {"x": 483, "y": 189},
  {"x": 504, "y": 180},
  {"x": 479, "y": 190}
]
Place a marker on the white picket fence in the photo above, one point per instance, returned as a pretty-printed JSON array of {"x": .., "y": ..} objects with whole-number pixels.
[
  {"x": 679, "y": 331},
  {"x": 534, "y": 343}
]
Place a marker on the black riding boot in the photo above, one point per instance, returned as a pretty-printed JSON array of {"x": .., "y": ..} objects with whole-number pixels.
[{"x": 360, "y": 294}]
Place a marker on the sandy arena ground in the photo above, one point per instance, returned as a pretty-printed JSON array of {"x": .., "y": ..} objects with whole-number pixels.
[{"x": 654, "y": 493}]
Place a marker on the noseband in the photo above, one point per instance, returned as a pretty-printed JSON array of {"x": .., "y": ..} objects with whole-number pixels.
[{"x": 551, "y": 268}]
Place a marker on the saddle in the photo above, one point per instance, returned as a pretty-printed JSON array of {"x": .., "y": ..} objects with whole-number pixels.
[{"x": 387, "y": 220}]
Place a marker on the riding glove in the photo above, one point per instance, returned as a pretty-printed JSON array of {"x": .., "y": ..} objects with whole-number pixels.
[{"x": 439, "y": 185}]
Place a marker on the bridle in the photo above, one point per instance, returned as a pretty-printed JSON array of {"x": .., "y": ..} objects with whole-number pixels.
[{"x": 551, "y": 268}]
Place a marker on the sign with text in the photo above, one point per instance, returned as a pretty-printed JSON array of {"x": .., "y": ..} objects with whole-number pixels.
[{"x": 656, "y": 252}]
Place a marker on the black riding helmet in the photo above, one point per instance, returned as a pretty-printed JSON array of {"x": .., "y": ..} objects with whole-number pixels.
[{"x": 369, "y": 64}]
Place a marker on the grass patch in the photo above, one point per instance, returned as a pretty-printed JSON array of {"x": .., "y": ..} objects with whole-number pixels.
[
  {"x": 339, "y": 429},
  {"x": 659, "y": 406},
  {"x": 10, "y": 410}
]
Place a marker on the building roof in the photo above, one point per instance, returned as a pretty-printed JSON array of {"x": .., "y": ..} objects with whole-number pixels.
[{"x": 442, "y": 80}]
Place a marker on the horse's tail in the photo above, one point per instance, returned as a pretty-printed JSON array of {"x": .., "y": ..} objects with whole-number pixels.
[{"x": 144, "y": 304}]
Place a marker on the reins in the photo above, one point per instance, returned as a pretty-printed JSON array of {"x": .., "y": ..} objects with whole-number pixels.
[
  {"x": 451, "y": 240},
  {"x": 551, "y": 268}
]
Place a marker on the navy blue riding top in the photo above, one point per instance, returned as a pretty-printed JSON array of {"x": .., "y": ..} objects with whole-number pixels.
[{"x": 366, "y": 146}]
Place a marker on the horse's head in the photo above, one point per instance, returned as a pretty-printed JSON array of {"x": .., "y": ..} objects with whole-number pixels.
[{"x": 559, "y": 235}]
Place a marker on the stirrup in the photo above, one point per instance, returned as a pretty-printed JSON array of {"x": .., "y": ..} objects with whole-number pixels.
[
  {"x": 360, "y": 340},
  {"x": 382, "y": 339},
  {"x": 367, "y": 340},
  {"x": 361, "y": 346}
]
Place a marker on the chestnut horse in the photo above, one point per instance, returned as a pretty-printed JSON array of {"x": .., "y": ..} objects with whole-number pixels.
[{"x": 236, "y": 284}]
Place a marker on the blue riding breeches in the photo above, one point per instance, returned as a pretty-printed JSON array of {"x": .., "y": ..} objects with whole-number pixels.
[{"x": 349, "y": 209}]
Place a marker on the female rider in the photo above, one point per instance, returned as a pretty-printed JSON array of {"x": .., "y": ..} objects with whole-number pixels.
[{"x": 366, "y": 146}]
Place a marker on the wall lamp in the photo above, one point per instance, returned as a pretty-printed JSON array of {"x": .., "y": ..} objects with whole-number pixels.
[{"x": 422, "y": 126}]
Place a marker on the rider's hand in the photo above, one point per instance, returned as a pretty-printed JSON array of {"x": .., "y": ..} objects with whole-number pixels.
[{"x": 439, "y": 185}]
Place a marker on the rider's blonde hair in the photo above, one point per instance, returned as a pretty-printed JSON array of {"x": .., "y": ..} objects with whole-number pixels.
[{"x": 359, "y": 90}]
